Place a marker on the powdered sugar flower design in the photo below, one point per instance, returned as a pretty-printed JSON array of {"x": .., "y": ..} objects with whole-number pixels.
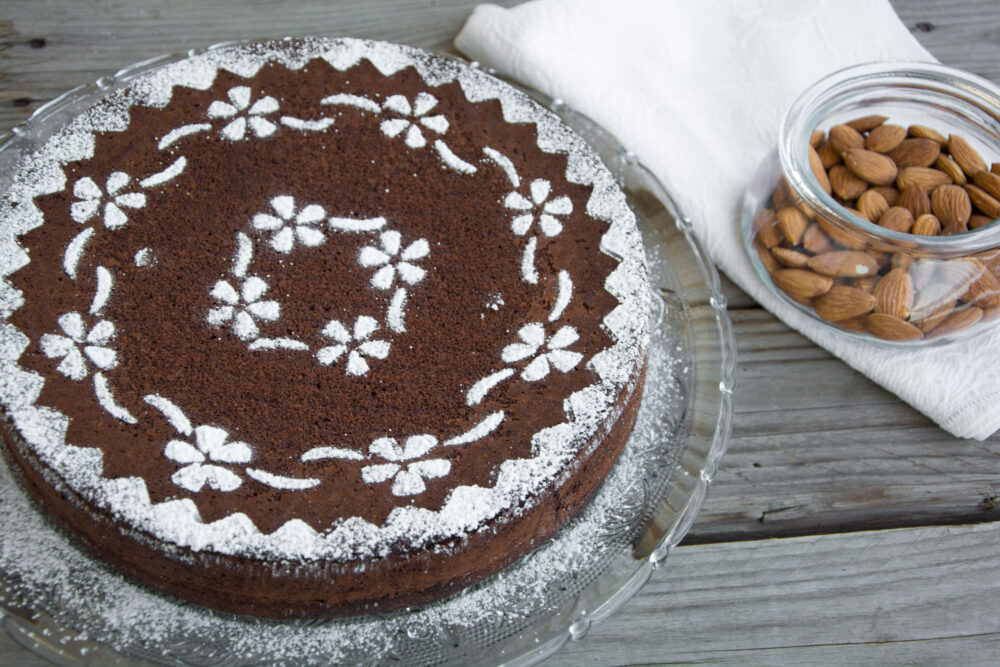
[
  {"x": 408, "y": 475},
  {"x": 117, "y": 200},
  {"x": 413, "y": 118},
  {"x": 533, "y": 339},
  {"x": 386, "y": 258},
  {"x": 290, "y": 225},
  {"x": 243, "y": 308},
  {"x": 244, "y": 114},
  {"x": 540, "y": 207},
  {"x": 356, "y": 344},
  {"x": 78, "y": 345},
  {"x": 209, "y": 445}
]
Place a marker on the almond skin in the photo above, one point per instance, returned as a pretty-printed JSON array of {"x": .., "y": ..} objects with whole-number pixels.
[
  {"x": 989, "y": 182},
  {"x": 983, "y": 201},
  {"x": 801, "y": 284},
  {"x": 764, "y": 226},
  {"x": 828, "y": 154},
  {"x": 915, "y": 153},
  {"x": 815, "y": 241},
  {"x": 891, "y": 328},
  {"x": 845, "y": 184},
  {"x": 843, "y": 302},
  {"x": 924, "y": 178},
  {"x": 844, "y": 264},
  {"x": 950, "y": 167},
  {"x": 935, "y": 318},
  {"x": 915, "y": 200},
  {"x": 871, "y": 205},
  {"x": 766, "y": 258},
  {"x": 844, "y": 237},
  {"x": 894, "y": 294},
  {"x": 884, "y": 138},
  {"x": 866, "y": 123},
  {"x": 965, "y": 155},
  {"x": 792, "y": 224},
  {"x": 844, "y": 137},
  {"x": 977, "y": 220},
  {"x": 926, "y": 225},
  {"x": 958, "y": 320},
  {"x": 816, "y": 164},
  {"x": 870, "y": 166},
  {"x": 791, "y": 258},
  {"x": 952, "y": 206},
  {"x": 897, "y": 218},
  {"x": 984, "y": 291},
  {"x": 888, "y": 192},
  {"x": 924, "y": 132}
]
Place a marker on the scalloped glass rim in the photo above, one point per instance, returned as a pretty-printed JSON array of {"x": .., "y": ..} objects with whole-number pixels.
[{"x": 690, "y": 295}]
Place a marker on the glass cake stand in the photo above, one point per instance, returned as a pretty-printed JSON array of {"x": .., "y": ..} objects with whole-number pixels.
[{"x": 66, "y": 607}]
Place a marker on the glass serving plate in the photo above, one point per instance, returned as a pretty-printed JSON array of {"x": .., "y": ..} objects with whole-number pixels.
[{"x": 65, "y": 606}]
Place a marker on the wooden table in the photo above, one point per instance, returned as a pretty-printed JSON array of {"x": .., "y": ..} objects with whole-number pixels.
[{"x": 843, "y": 526}]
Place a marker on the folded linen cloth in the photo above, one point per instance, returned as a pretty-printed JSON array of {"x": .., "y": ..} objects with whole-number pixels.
[{"x": 697, "y": 90}]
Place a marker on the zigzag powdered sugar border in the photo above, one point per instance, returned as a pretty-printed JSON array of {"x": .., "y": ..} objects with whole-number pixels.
[{"x": 467, "y": 507}]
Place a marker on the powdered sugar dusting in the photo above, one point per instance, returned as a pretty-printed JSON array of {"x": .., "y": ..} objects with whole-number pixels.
[{"x": 467, "y": 508}]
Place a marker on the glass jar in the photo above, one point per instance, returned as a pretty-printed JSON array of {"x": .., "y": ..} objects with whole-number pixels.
[{"x": 886, "y": 230}]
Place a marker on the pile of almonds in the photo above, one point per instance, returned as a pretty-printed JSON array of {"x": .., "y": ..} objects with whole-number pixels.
[{"x": 913, "y": 180}]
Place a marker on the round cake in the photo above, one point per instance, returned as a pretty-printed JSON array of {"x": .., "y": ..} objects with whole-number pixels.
[{"x": 316, "y": 327}]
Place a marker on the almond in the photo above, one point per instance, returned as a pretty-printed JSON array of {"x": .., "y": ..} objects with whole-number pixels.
[
  {"x": 901, "y": 261},
  {"x": 871, "y": 205},
  {"x": 984, "y": 291},
  {"x": 766, "y": 258},
  {"x": 894, "y": 294},
  {"x": 958, "y": 320},
  {"x": 845, "y": 184},
  {"x": 764, "y": 227},
  {"x": 866, "y": 123},
  {"x": 995, "y": 168},
  {"x": 843, "y": 302},
  {"x": 792, "y": 224},
  {"x": 989, "y": 182},
  {"x": 801, "y": 284},
  {"x": 856, "y": 324},
  {"x": 897, "y": 218},
  {"x": 790, "y": 258},
  {"x": 782, "y": 195},
  {"x": 977, "y": 220},
  {"x": 924, "y": 178},
  {"x": 915, "y": 153},
  {"x": 844, "y": 263},
  {"x": 843, "y": 138},
  {"x": 926, "y": 225},
  {"x": 915, "y": 200},
  {"x": 867, "y": 283},
  {"x": 841, "y": 236},
  {"x": 884, "y": 138},
  {"x": 891, "y": 328},
  {"x": 965, "y": 155},
  {"x": 816, "y": 164},
  {"x": 951, "y": 204},
  {"x": 983, "y": 201},
  {"x": 828, "y": 154},
  {"x": 950, "y": 167},
  {"x": 924, "y": 132},
  {"x": 870, "y": 166},
  {"x": 935, "y": 318},
  {"x": 815, "y": 241},
  {"x": 816, "y": 138},
  {"x": 888, "y": 192}
]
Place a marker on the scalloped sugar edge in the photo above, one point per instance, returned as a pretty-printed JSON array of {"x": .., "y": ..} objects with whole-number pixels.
[{"x": 467, "y": 508}]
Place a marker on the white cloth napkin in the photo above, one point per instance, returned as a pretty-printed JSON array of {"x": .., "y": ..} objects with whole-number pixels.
[{"x": 698, "y": 89}]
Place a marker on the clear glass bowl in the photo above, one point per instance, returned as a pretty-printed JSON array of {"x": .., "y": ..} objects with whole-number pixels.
[
  {"x": 841, "y": 222},
  {"x": 65, "y": 606}
]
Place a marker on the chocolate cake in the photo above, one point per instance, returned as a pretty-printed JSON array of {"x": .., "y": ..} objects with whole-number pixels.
[{"x": 316, "y": 327}]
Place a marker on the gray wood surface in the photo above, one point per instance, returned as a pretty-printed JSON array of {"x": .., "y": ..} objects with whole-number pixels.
[{"x": 844, "y": 527}]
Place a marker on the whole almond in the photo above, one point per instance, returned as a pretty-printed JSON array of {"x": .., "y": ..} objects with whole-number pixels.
[
  {"x": 977, "y": 220},
  {"x": 792, "y": 224},
  {"x": 983, "y": 201},
  {"x": 896, "y": 218},
  {"x": 951, "y": 204},
  {"x": 950, "y": 167},
  {"x": 871, "y": 205},
  {"x": 816, "y": 164},
  {"x": 894, "y": 294},
  {"x": 924, "y": 132},
  {"x": 790, "y": 258},
  {"x": 995, "y": 168},
  {"x": 766, "y": 258},
  {"x": 866, "y": 123},
  {"x": 915, "y": 200},
  {"x": 844, "y": 264},
  {"x": 958, "y": 320},
  {"x": 884, "y": 138},
  {"x": 801, "y": 284},
  {"x": 845, "y": 184},
  {"x": 870, "y": 166},
  {"x": 926, "y": 225},
  {"x": 965, "y": 155},
  {"x": 984, "y": 291},
  {"x": 815, "y": 241},
  {"x": 989, "y": 182},
  {"x": 891, "y": 328},
  {"x": 915, "y": 153},
  {"x": 843, "y": 302},
  {"x": 782, "y": 195},
  {"x": 888, "y": 192},
  {"x": 764, "y": 226},
  {"x": 816, "y": 138},
  {"x": 933, "y": 319},
  {"x": 924, "y": 178},
  {"x": 856, "y": 324},
  {"x": 901, "y": 261},
  {"x": 844, "y": 137},
  {"x": 866, "y": 284},
  {"x": 828, "y": 154},
  {"x": 841, "y": 236}
]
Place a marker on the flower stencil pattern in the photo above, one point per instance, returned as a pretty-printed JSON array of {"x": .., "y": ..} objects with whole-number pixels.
[
  {"x": 90, "y": 199},
  {"x": 243, "y": 308},
  {"x": 78, "y": 345},
  {"x": 209, "y": 445},
  {"x": 244, "y": 115},
  {"x": 414, "y": 117},
  {"x": 386, "y": 258},
  {"x": 356, "y": 344},
  {"x": 290, "y": 226},
  {"x": 533, "y": 340},
  {"x": 408, "y": 475},
  {"x": 539, "y": 206}
]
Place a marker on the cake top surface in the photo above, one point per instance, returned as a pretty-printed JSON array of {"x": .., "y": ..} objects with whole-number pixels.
[{"x": 315, "y": 299}]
